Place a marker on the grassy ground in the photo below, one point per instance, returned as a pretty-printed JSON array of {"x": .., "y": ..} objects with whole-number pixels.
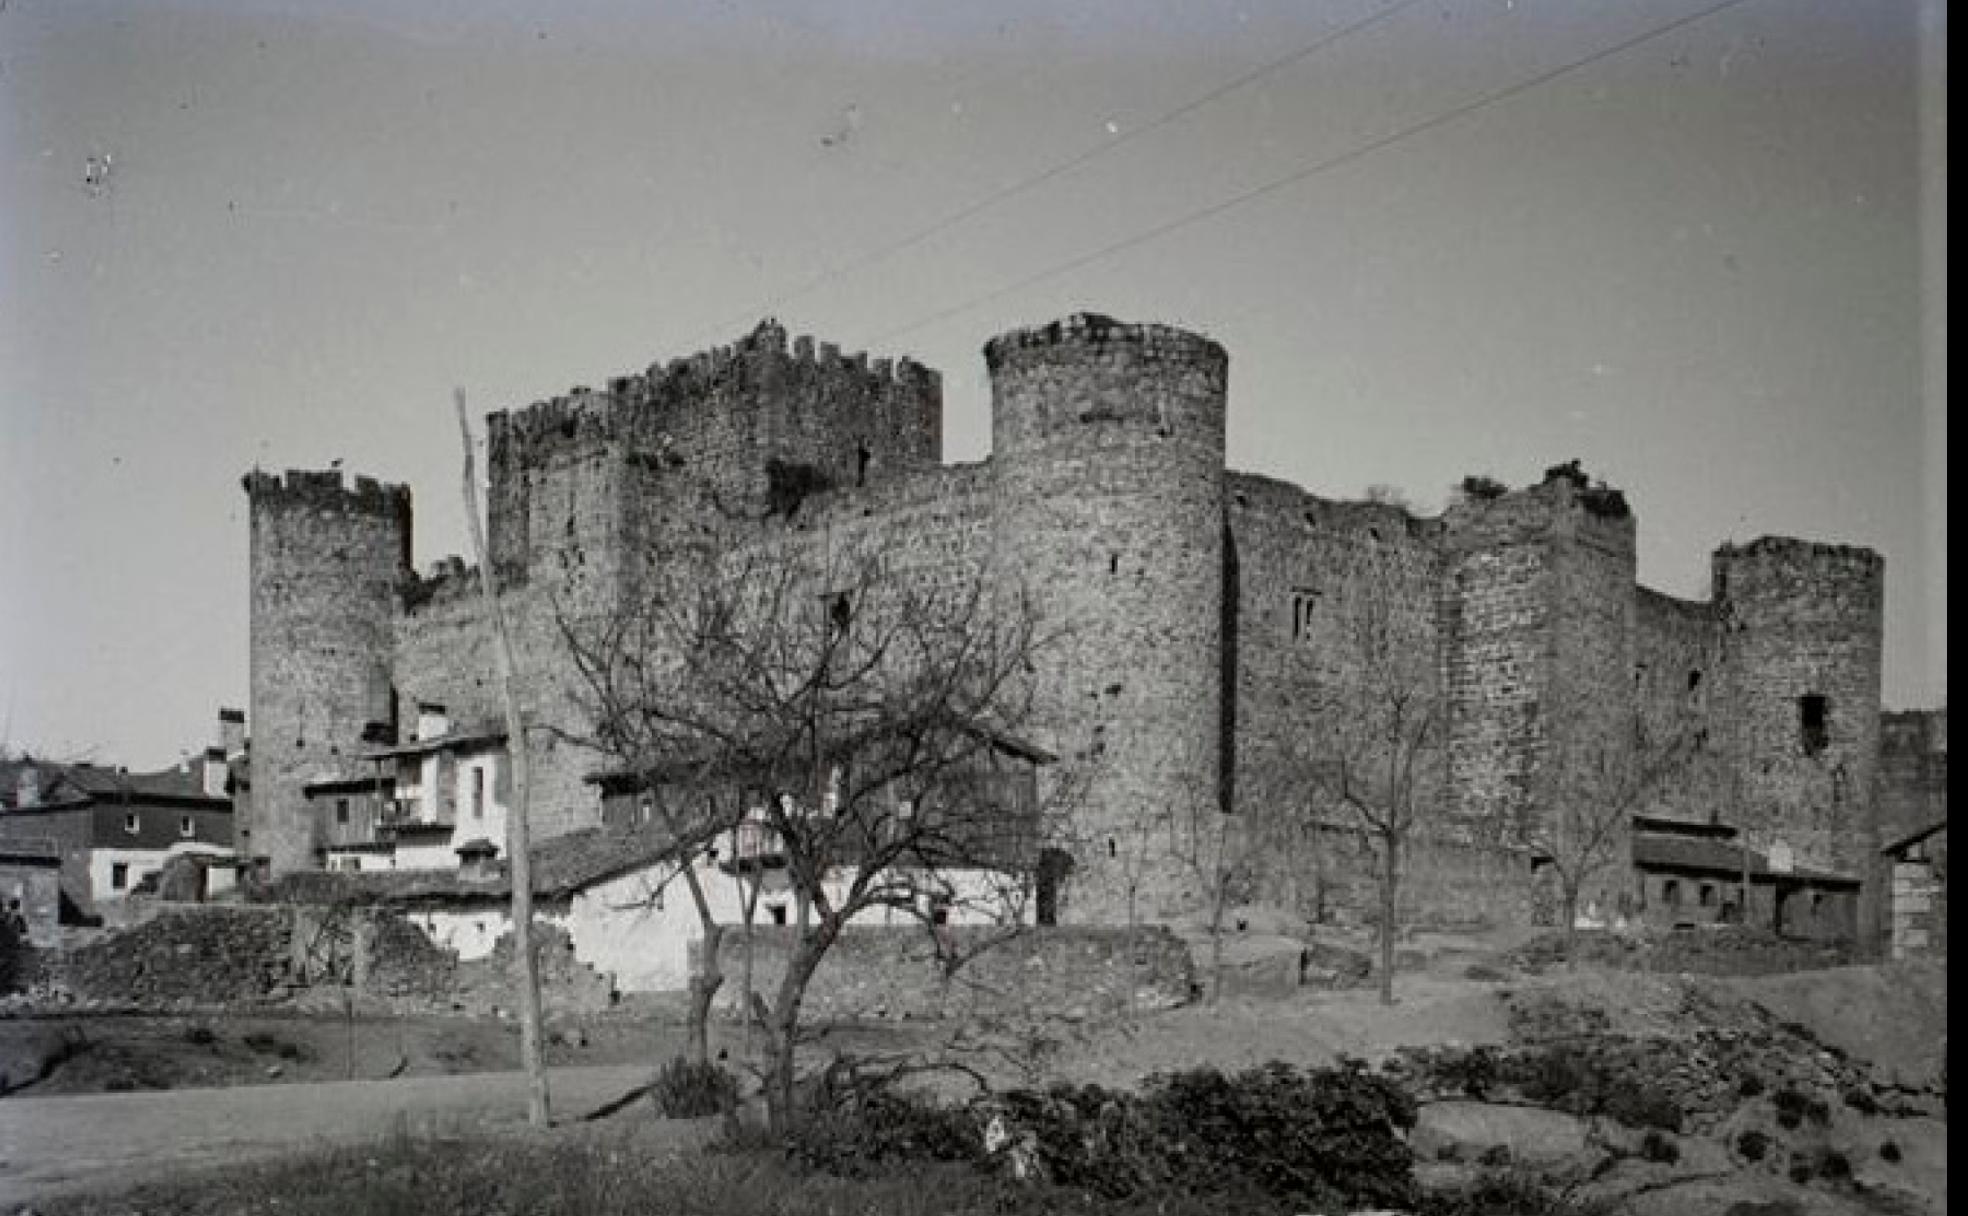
[{"x": 637, "y": 1167}]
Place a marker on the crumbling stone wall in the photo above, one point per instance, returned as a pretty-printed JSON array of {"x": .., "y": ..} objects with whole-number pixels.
[
  {"x": 894, "y": 973},
  {"x": 1912, "y": 774},
  {"x": 1804, "y": 621},
  {"x": 1188, "y": 596}
]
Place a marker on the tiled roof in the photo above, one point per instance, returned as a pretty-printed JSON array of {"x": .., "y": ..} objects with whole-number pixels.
[{"x": 1712, "y": 856}]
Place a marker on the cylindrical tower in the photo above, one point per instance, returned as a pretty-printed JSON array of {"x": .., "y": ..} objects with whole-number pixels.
[
  {"x": 1107, "y": 456},
  {"x": 326, "y": 564},
  {"x": 1803, "y": 633}
]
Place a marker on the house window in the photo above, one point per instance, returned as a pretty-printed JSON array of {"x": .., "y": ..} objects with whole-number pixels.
[
  {"x": 119, "y": 876},
  {"x": 478, "y": 793},
  {"x": 1708, "y": 895},
  {"x": 1813, "y": 723},
  {"x": 778, "y": 913},
  {"x": 1694, "y": 679},
  {"x": 1671, "y": 893},
  {"x": 186, "y": 827},
  {"x": 341, "y": 811},
  {"x": 132, "y": 824}
]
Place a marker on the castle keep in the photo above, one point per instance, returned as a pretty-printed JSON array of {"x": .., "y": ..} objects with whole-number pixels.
[{"x": 1196, "y": 597}]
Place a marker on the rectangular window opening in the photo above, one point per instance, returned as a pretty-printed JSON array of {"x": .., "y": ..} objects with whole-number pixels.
[{"x": 1814, "y": 723}]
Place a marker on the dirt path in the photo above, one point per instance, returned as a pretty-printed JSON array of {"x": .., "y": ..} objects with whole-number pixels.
[{"x": 99, "y": 1141}]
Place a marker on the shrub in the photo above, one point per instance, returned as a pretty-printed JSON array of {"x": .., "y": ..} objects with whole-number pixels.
[
  {"x": 1659, "y": 1148},
  {"x": 1513, "y": 1192},
  {"x": 1889, "y": 1152},
  {"x": 1794, "y": 1107},
  {"x": 872, "y": 1131},
  {"x": 1860, "y": 1099},
  {"x": 1750, "y": 1086},
  {"x": 200, "y": 1036},
  {"x": 1801, "y": 1170},
  {"x": 1752, "y": 1145},
  {"x": 1833, "y": 1166},
  {"x": 1274, "y": 1135},
  {"x": 686, "y": 1089}
]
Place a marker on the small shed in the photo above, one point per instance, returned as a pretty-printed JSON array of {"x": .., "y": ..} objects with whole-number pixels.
[{"x": 1919, "y": 892}]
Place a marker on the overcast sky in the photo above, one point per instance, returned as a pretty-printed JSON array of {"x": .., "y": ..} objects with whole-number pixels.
[{"x": 1694, "y": 262}]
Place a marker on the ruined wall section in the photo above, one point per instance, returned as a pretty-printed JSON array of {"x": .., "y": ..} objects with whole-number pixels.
[
  {"x": 1501, "y": 599},
  {"x": 1677, "y": 647},
  {"x": 1298, "y": 561},
  {"x": 1107, "y": 456},
  {"x": 1802, "y": 655},
  {"x": 327, "y": 561},
  {"x": 1912, "y": 780},
  {"x": 1540, "y": 612}
]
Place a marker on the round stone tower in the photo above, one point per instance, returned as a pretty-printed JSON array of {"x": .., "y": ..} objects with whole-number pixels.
[
  {"x": 326, "y": 564},
  {"x": 1803, "y": 630},
  {"x": 1107, "y": 457}
]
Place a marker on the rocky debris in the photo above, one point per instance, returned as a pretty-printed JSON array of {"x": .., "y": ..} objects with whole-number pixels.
[
  {"x": 215, "y": 956},
  {"x": 1706, "y": 951}
]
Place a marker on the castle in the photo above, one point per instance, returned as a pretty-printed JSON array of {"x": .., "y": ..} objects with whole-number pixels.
[{"x": 1194, "y": 591}]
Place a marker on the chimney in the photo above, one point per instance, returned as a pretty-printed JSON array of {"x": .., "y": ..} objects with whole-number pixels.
[
  {"x": 27, "y": 791},
  {"x": 232, "y": 731},
  {"x": 215, "y": 772},
  {"x": 432, "y": 721}
]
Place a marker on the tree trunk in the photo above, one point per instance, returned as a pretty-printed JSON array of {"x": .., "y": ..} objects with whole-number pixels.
[
  {"x": 781, "y": 1102},
  {"x": 1389, "y": 889},
  {"x": 708, "y": 978},
  {"x": 704, "y": 987},
  {"x": 1216, "y": 950},
  {"x": 532, "y": 1052},
  {"x": 1568, "y": 907}
]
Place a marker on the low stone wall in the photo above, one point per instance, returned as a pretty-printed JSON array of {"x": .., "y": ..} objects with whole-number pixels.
[
  {"x": 206, "y": 956},
  {"x": 894, "y": 972}
]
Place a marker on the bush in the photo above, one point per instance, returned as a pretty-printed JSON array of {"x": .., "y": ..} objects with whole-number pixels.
[
  {"x": 1658, "y": 1148},
  {"x": 1506, "y": 1193},
  {"x": 1794, "y": 1107},
  {"x": 1274, "y": 1135},
  {"x": 1860, "y": 1099},
  {"x": 1751, "y": 1085},
  {"x": 872, "y": 1131},
  {"x": 686, "y": 1089},
  {"x": 1752, "y": 1145},
  {"x": 1889, "y": 1152}
]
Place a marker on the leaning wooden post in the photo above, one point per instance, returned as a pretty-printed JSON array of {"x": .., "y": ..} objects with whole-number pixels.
[{"x": 518, "y": 843}]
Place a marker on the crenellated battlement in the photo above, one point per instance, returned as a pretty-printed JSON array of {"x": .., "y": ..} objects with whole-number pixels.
[
  {"x": 325, "y": 490},
  {"x": 449, "y": 580},
  {"x": 1094, "y": 330}
]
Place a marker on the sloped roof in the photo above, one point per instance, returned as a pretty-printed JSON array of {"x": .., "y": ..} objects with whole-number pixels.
[
  {"x": 1715, "y": 857},
  {"x": 1908, "y": 841},
  {"x": 68, "y": 785}
]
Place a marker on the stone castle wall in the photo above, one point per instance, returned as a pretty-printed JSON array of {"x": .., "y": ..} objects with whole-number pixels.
[{"x": 1194, "y": 606}]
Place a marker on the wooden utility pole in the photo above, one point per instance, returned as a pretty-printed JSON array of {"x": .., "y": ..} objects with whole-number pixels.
[{"x": 518, "y": 843}]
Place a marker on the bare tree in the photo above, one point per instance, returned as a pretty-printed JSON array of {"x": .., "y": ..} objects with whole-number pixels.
[
  {"x": 1601, "y": 775},
  {"x": 868, "y": 726},
  {"x": 1379, "y": 732},
  {"x": 1215, "y": 850}
]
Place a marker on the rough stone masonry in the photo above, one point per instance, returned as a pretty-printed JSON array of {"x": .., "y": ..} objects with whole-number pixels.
[{"x": 1196, "y": 598}]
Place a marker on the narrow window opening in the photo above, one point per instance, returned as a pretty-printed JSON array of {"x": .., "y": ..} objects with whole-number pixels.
[
  {"x": 1694, "y": 679},
  {"x": 119, "y": 876},
  {"x": 861, "y": 457},
  {"x": 778, "y": 913},
  {"x": 1671, "y": 893},
  {"x": 132, "y": 824},
  {"x": 341, "y": 811},
  {"x": 1813, "y": 723},
  {"x": 186, "y": 827}
]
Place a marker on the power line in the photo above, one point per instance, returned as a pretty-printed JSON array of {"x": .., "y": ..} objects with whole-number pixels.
[
  {"x": 1024, "y": 185},
  {"x": 1291, "y": 179}
]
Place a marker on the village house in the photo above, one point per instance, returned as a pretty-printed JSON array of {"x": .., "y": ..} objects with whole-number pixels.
[{"x": 108, "y": 830}]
